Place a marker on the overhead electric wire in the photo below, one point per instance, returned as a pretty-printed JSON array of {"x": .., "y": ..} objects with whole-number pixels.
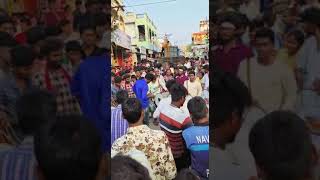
[{"x": 159, "y": 2}]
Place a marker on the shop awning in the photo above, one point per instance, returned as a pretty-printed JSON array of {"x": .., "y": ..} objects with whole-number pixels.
[{"x": 120, "y": 38}]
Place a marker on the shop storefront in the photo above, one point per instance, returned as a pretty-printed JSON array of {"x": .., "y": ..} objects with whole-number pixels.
[{"x": 120, "y": 50}]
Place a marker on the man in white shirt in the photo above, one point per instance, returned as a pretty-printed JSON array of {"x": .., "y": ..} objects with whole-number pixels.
[
  {"x": 272, "y": 84},
  {"x": 160, "y": 80},
  {"x": 194, "y": 87},
  {"x": 206, "y": 78},
  {"x": 308, "y": 66}
]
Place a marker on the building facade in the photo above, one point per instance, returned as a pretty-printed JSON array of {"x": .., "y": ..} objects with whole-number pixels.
[
  {"x": 143, "y": 32},
  {"x": 200, "y": 41},
  {"x": 120, "y": 41}
]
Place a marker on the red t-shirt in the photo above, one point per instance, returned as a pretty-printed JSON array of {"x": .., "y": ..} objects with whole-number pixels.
[
  {"x": 230, "y": 61},
  {"x": 21, "y": 38}
]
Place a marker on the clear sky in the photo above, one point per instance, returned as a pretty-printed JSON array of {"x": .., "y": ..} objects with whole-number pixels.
[{"x": 180, "y": 18}]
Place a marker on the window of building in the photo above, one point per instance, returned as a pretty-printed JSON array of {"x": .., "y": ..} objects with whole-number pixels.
[{"x": 142, "y": 33}]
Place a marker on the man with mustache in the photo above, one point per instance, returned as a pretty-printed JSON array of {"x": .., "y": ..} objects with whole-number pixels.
[{"x": 56, "y": 78}]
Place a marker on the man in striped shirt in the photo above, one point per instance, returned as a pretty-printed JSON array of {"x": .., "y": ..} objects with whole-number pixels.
[
  {"x": 173, "y": 121},
  {"x": 119, "y": 125}
]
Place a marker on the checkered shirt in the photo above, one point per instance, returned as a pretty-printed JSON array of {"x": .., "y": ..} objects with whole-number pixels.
[{"x": 66, "y": 103}]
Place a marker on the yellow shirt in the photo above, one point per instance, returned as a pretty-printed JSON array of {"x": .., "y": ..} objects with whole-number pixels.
[{"x": 283, "y": 56}]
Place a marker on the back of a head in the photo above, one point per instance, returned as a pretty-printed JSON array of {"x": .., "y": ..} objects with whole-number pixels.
[
  {"x": 101, "y": 19},
  {"x": 132, "y": 110},
  {"x": 311, "y": 15},
  {"x": 230, "y": 95},
  {"x": 35, "y": 109},
  {"x": 281, "y": 145},
  {"x": 22, "y": 56},
  {"x": 150, "y": 77},
  {"x": 170, "y": 83},
  {"x": 6, "y": 40},
  {"x": 73, "y": 46},
  {"x": 35, "y": 34},
  {"x": 53, "y": 31},
  {"x": 186, "y": 174},
  {"x": 177, "y": 92},
  {"x": 50, "y": 45},
  {"x": 197, "y": 108},
  {"x": 69, "y": 148},
  {"x": 121, "y": 96},
  {"x": 126, "y": 168},
  {"x": 5, "y": 19}
]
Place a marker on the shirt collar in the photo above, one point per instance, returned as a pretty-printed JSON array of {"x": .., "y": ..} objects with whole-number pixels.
[{"x": 137, "y": 128}]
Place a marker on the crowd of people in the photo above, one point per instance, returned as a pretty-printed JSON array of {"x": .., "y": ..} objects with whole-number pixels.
[
  {"x": 265, "y": 90},
  {"x": 54, "y": 97},
  {"x": 175, "y": 97}
]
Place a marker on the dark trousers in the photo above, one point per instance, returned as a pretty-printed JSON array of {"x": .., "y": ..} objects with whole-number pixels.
[{"x": 183, "y": 162}]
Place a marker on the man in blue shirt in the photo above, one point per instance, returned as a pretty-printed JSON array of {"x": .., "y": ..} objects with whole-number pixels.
[
  {"x": 197, "y": 137},
  {"x": 91, "y": 85},
  {"x": 140, "y": 89}
]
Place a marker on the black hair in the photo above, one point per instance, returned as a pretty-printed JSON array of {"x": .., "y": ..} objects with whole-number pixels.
[
  {"x": 132, "y": 109},
  {"x": 311, "y": 15},
  {"x": 281, "y": 145},
  {"x": 125, "y": 76},
  {"x": 5, "y": 20},
  {"x": 78, "y": 2},
  {"x": 298, "y": 35},
  {"x": 256, "y": 24},
  {"x": 206, "y": 67},
  {"x": 101, "y": 19},
  {"x": 121, "y": 96},
  {"x": 63, "y": 23},
  {"x": 117, "y": 79},
  {"x": 25, "y": 19},
  {"x": 68, "y": 148},
  {"x": 198, "y": 108},
  {"x": 91, "y": 2},
  {"x": 22, "y": 56},
  {"x": 51, "y": 45},
  {"x": 73, "y": 46},
  {"x": 231, "y": 95},
  {"x": 34, "y": 109},
  {"x": 243, "y": 20},
  {"x": 150, "y": 77},
  {"x": 191, "y": 72},
  {"x": 133, "y": 169},
  {"x": 53, "y": 31},
  {"x": 35, "y": 34},
  {"x": 177, "y": 92},
  {"x": 86, "y": 28},
  {"x": 186, "y": 174},
  {"x": 265, "y": 33},
  {"x": 6, "y": 40},
  {"x": 170, "y": 83},
  {"x": 133, "y": 76},
  {"x": 230, "y": 17}
]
